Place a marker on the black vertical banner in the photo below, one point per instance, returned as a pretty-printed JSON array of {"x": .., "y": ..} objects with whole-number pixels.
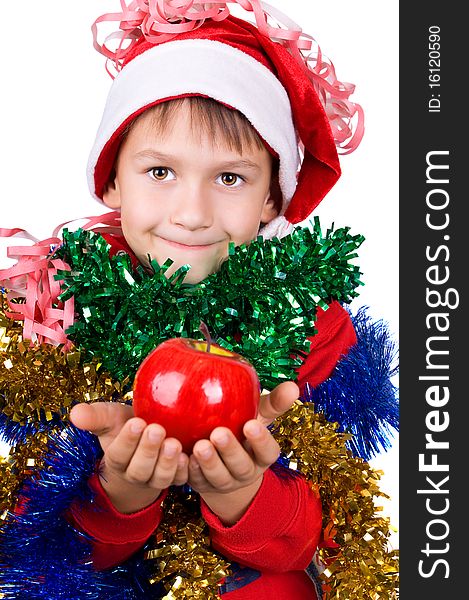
[{"x": 434, "y": 241}]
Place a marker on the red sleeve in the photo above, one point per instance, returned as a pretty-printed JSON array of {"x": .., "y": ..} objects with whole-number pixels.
[
  {"x": 335, "y": 336},
  {"x": 279, "y": 531},
  {"x": 116, "y": 536}
]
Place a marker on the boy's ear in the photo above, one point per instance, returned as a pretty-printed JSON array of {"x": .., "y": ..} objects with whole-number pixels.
[
  {"x": 111, "y": 194},
  {"x": 269, "y": 210},
  {"x": 273, "y": 202}
]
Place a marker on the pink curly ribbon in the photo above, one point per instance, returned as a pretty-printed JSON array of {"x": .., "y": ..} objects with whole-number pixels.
[
  {"x": 45, "y": 318},
  {"x": 162, "y": 20},
  {"x": 4, "y": 232}
]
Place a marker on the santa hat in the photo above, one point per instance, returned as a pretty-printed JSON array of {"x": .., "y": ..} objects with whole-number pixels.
[{"x": 183, "y": 53}]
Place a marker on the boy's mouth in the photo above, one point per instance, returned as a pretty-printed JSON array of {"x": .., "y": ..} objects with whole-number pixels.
[{"x": 182, "y": 246}]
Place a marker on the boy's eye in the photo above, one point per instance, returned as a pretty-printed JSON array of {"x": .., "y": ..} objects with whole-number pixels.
[
  {"x": 160, "y": 173},
  {"x": 230, "y": 179}
]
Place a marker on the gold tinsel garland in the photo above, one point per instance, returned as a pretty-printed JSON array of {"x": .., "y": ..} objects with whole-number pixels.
[
  {"x": 181, "y": 553},
  {"x": 22, "y": 461},
  {"x": 362, "y": 567},
  {"x": 42, "y": 381},
  {"x": 38, "y": 381}
]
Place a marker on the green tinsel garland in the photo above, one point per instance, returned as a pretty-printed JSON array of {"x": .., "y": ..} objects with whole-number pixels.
[{"x": 261, "y": 303}]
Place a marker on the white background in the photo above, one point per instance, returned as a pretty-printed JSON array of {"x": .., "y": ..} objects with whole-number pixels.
[{"x": 53, "y": 90}]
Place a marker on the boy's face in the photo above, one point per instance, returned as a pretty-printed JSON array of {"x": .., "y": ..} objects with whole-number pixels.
[{"x": 183, "y": 197}]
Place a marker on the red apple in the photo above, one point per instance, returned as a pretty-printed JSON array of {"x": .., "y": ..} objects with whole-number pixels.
[{"x": 190, "y": 387}]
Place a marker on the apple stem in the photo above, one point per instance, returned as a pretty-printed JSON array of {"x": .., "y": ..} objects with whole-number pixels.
[{"x": 204, "y": 329}]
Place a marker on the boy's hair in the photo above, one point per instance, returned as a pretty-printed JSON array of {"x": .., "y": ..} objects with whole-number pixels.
[
  {"x": 218, "y": 122},
  {"x": 222, "y": 125}
]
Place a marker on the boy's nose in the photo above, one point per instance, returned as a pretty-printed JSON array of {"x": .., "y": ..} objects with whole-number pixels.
[{"x": 191, "y": 208}]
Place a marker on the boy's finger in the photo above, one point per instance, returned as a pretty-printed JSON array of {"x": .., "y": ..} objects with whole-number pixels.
[
  {"x": 101, "y": 418},
  {"x": 196, "y": 477},
  {"x": 234, "y": 456},
  {"x": 264, "y": 448},
  {"x": 276, "y": 403},
  {"x": 182, "y": 470},
  {"x": 167, "y": 464},
  {"x": 120, "y": 451},
  {"x": 212, "y": 466},
  {"x": 136, "y": 450}
]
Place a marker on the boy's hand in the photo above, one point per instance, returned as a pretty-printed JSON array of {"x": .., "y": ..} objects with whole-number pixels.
[
  {"x": 139, "y": 461},
  {"x": 228, "y": 474}
]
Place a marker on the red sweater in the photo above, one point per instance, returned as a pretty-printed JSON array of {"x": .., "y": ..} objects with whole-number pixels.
[{"x": 276, "y": 537}]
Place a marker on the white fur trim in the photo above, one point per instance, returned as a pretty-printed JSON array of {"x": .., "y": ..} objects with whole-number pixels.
[
  {"x": 278, "y": 227},
  {"x": 194, "y": 66}
]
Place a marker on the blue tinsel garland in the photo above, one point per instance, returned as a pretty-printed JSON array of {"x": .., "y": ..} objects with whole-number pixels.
[
  {"x": 360, "y": 394},
  {"x": 14, "y": 433},
  {"x": 42, "y": 556}
]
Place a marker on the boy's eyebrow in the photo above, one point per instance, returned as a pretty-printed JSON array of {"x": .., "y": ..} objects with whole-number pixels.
[
  {"x": 168, "y": 158},
  {"x": 241, "y": 163}
]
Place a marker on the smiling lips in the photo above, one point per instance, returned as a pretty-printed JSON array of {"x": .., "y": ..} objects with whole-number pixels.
[{"x": 187, "y": 246}]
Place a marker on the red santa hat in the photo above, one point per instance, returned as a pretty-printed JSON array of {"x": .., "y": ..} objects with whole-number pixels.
[{"x": 300, "y": 110}]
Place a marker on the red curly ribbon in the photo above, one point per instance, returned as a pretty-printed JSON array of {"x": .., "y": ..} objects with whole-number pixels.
[{"x": 32, "y": 279}]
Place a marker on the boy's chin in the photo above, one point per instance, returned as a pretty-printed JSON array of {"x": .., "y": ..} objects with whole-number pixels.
[
  {"x": 196, "y": 272},
  {"x": 194, "y": 275}
]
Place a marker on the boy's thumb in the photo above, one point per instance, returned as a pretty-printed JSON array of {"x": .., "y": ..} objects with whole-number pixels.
[
  {"x": 278, "y": 402},
  {"x": 101, "y": 418}
]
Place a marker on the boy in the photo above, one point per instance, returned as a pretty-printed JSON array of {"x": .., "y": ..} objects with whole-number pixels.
[
  {"x": 189, "y": 176},
  {"x": 198, "y": 147},
  {"x": 184, "y": 194}
]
